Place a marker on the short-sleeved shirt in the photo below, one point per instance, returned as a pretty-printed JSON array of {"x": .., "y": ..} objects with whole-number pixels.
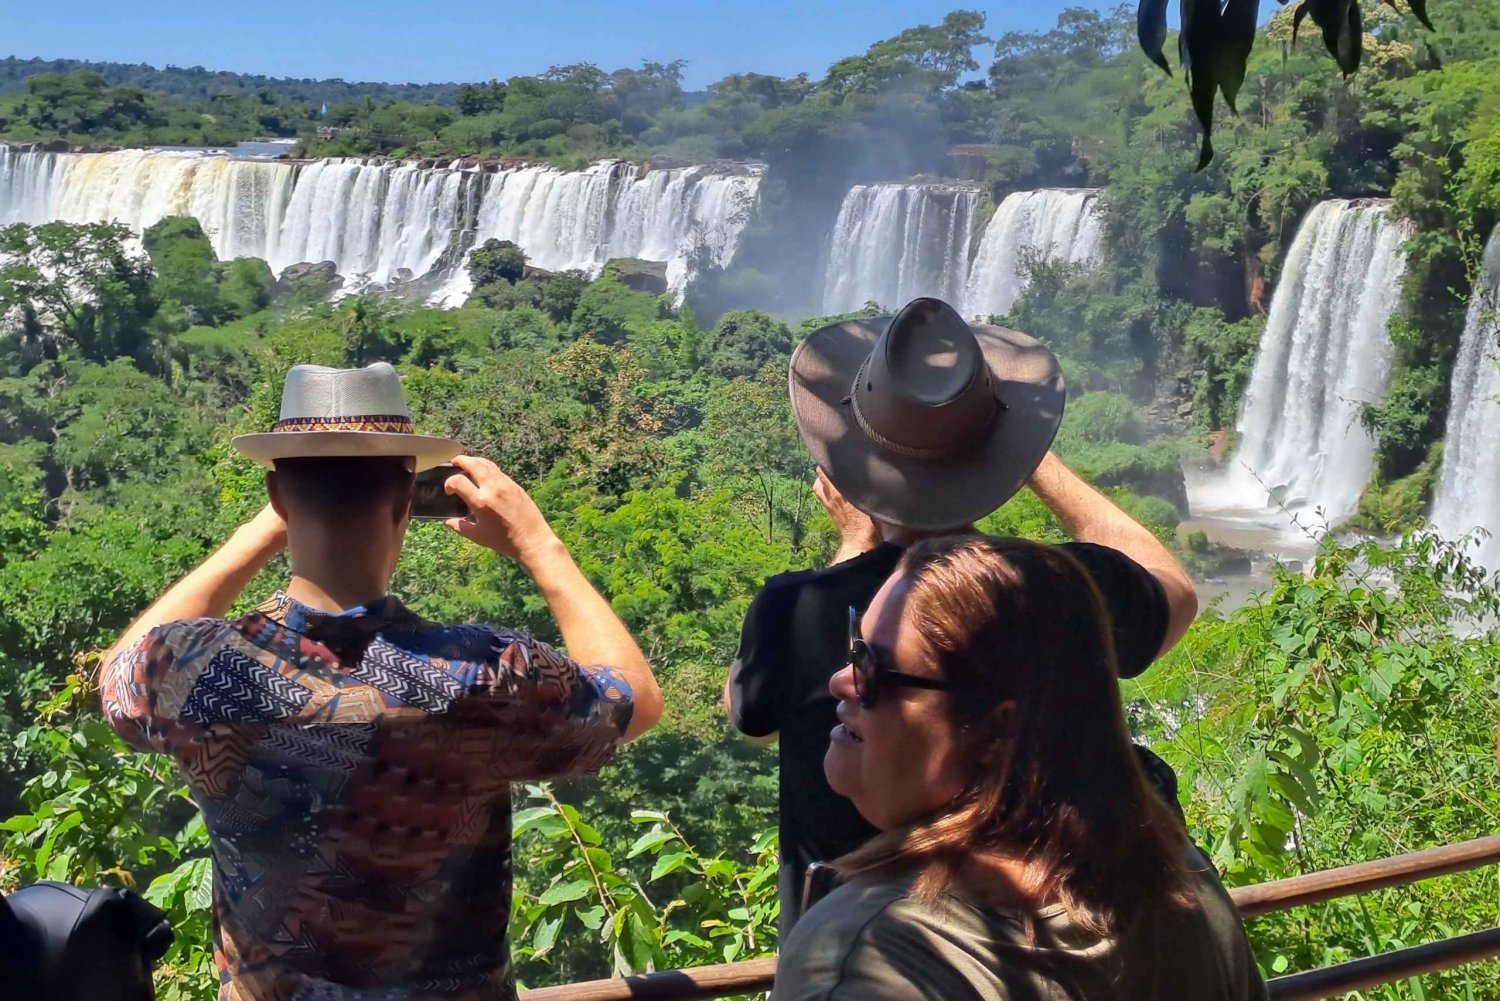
[
  {"x": 354, "y": 775},
  {"x": 796, "y": 637},
  {"x": 872, "y": 940}
]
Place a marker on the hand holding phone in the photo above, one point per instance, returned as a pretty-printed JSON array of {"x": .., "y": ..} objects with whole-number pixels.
[
  {"x": 430, "y": 499},
  {"x": 502, "y": 516}
]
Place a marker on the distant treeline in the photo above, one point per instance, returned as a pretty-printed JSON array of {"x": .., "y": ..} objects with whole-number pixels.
[{"x": 194, "y": 83}]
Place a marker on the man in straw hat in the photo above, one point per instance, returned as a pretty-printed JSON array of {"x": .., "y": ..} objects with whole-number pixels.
[
  {"x": 352, "y": 761},
  {"x": 920, "y": 425}
]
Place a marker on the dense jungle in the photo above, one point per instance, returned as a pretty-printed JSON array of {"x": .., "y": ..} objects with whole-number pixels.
[{"x": 1345, "y": 711}]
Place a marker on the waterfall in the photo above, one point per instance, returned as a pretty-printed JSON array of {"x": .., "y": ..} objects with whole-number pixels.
[
  {"x": 578, "y": 220},
  {"x": 1051, "y": 224},
  {"x": 238, "y": 202},
  {"x": 370, "y": 219},
  {"x": 380, "y": 221},
  {"x": 1468, "y": 490},
  {"x": 1324, "y": 352},
  {"x": 895, "y": 242}
]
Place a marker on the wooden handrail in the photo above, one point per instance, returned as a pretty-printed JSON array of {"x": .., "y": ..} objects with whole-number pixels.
[
  {"x": 1387, "y": 968},
  {"x": 701, "y": 983},
  {"x": 1364, "y": 877},
  {"x": 704, "y": 983}
]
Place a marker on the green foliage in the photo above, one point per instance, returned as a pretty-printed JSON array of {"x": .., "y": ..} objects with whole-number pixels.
[
  {"x": 743, "y": 343},
  {"x": 74, "y": 290},
  {"x": 713, "y": 908},
  {"x": 1394, "y": 506},
  {"x": 561, "y": 293},
  {"x": 610, "y": 313},
  {"x": 245, "y": 287},
  {"x": 184, "y": 262},
  {"x": 496, "y": 261},
  {"x": 1216, "y": 38},
  {"x": 1403, "y": 422},
  {"x": 1221, "y": 356},
  {"x": 1347, "y": 715}
]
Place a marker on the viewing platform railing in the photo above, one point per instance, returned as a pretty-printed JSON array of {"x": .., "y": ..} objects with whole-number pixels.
[{"x": 708, "y": 982}]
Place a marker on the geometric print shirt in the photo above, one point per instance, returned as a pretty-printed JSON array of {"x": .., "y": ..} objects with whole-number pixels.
[{"x": 354, "y": 772}]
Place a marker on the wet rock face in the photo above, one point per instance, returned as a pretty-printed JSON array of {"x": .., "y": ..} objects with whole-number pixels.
[
  {"x": 309, "y": 280},
  {"x": 642, "y": 276}
]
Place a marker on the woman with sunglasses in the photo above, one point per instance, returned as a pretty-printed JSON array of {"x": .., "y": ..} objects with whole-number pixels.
[{"x": 1023, "y": 856}]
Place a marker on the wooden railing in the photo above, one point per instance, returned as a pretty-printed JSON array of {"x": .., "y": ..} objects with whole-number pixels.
[{"x": 708, "y": 982}]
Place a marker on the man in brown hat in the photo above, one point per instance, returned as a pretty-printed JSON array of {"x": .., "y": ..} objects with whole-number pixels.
[
  {"x": 353, "y": 761},
  {"x": 920, "y": 425}
]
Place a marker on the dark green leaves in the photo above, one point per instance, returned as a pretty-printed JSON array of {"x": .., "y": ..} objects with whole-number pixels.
[
  {"x": 1419, "y": 8},
  {"x": 1217, "y": 36},
  {"x": 1213, "y": 46},
  {"x": 1343, "y": 29},
  {"x": 1151, "y": 30}
]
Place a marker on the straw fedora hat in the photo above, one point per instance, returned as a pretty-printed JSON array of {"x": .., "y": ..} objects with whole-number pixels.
[
  {"x": 344, "y": 412},
  {"x": 924, "y": 420}
]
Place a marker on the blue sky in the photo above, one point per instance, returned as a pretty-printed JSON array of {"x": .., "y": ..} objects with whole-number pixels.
[{"x": 476, "y": 40}]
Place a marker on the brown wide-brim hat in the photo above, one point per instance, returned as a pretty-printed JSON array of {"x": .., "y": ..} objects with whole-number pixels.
[{"x": 924, "y": 420}]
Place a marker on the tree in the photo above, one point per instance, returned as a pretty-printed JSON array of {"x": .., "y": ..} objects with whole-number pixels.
[
  {"x": 924, "y": 59},
  {"x": 752, "y": 438},
  {"x": 496, "y": 261},
  {"x": 186, "y": 267},
  {"x": 744, "y": 342},
  {"x": 477, "y": 99},
  {"x": 245, "y": 286},
  {"x": 76, "y": 289},
  {"x": 608, "y": 312},
  {"x": 561, "y": 293}
]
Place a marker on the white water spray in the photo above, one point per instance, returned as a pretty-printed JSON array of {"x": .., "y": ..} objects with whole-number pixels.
[
  {"x": 1324, "y": 353},
  {"x": 1468, "y": 491}
]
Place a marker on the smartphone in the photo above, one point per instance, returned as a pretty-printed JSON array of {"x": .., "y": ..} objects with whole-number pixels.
[{"x": 428, "y": 498}]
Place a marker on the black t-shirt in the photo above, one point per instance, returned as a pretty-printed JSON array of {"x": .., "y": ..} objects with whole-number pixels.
[{"x": 796, "y": 638}]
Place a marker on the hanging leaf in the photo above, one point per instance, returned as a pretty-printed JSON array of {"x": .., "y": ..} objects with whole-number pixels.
[
  {"x": 1348, "y": 43},
  {"x": 1217, "y": 36},
  {"x": 1239, "y": 22},
  {"x": 1343, "y": 29},
  {"x": 1151, "y": 30},
  {"x": 1419, "y": 8},
  {"x": 1198, "y": 51}
]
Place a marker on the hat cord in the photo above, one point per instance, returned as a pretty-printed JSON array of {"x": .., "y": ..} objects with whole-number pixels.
[{"x": 913, "y": 451}]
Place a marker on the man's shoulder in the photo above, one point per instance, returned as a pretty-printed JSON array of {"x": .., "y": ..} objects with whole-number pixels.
[
  {"x": 186, "y": 637},
  {"x": 873, "y": 566}
]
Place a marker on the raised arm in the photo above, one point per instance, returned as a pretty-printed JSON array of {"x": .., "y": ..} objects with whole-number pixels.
[
  {"x": 1089, "y": 516},
  {"x": 505, "y": 519},
  {"x": 210, "y": 590}
]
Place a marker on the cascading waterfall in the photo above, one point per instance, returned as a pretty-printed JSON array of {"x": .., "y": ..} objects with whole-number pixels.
[
  {"x": 578, "y": 220},
  {"x": 1468, "y": 490},
  {"x": 895, "y": 242},
  {"x": 369, "y": 218},
  {"x": 380, "y": 221},
  {"x": 1049, "y": 224},
  {"x": 239, "y": 203},
  {"x": 1324, "y": 353}
]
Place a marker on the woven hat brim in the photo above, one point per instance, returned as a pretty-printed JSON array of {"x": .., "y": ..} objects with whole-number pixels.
[
  {"x": 266, "y": 448},
  {"x": 925, "y": 494}
]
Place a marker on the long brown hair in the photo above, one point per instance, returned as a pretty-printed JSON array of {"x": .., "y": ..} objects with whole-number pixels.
[{"x": 1020, "y": 630}]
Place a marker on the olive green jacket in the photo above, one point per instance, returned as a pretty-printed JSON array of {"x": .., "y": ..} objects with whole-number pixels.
[{"x": 873, "y": 941}]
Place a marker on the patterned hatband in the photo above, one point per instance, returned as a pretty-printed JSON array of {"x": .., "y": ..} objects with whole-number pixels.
[{"x": 391, "y": 423}]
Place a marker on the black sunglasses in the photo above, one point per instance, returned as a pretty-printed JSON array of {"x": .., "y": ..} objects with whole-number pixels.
[{"x": 869, "y": 675}]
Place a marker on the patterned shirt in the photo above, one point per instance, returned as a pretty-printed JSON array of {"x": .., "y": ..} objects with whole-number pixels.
[{"x": 354, "y": 775}]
